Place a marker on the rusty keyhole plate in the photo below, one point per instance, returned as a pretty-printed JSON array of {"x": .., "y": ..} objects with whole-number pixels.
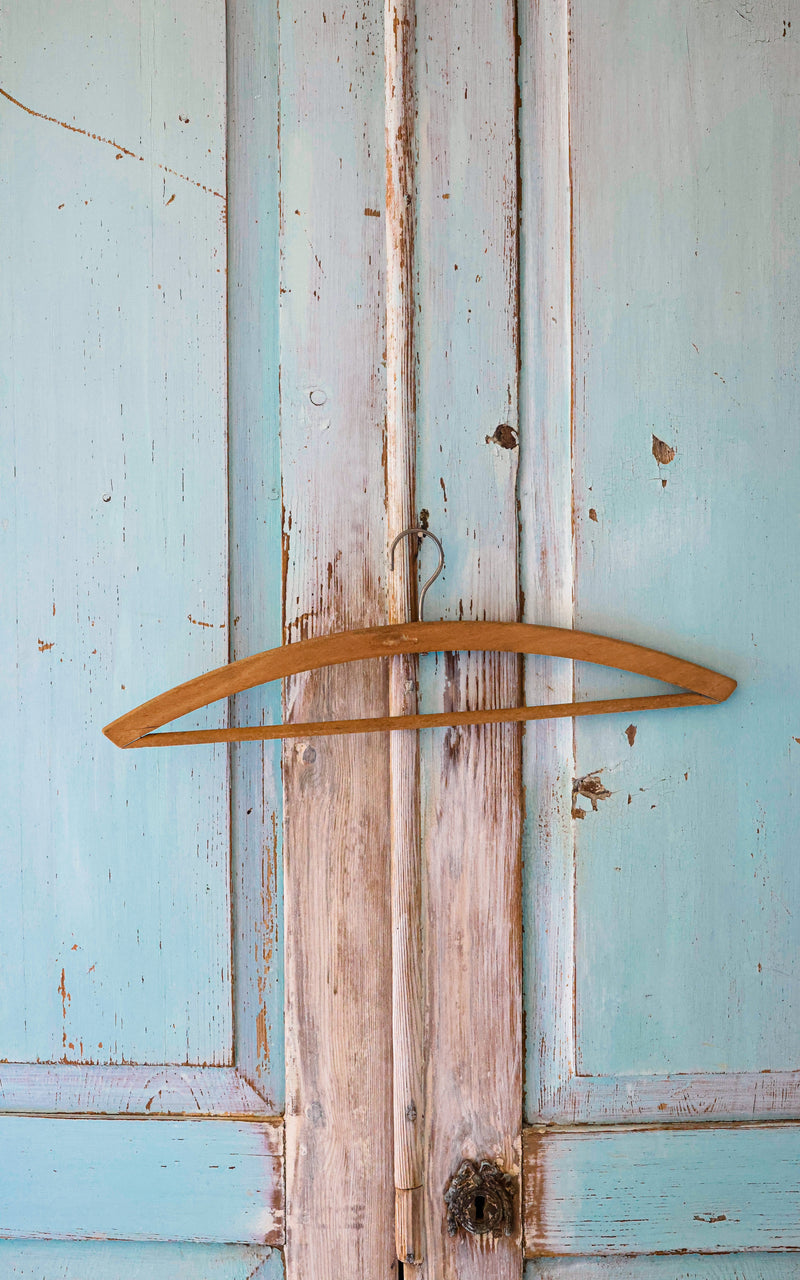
[{"x": 480, "y": 1199}]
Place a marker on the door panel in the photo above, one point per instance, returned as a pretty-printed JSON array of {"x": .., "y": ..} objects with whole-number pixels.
[
  {"x": 687, "y": 205},
  {"x": 117, "y": 982},
  {"x": 112, "y": 428},
  {"x": 94, "y": 1260},
  {"x": 118, "y": 1179},
  {"x": 754, "y": 1266},
  {"x": 671, "y": 899}
]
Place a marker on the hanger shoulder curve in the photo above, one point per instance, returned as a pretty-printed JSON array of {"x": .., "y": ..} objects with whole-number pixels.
[{"x": 136, "y": 728}]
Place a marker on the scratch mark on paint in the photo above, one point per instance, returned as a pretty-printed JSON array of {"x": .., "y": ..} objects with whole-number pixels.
[
  {"x": 630, "y": 733},
  {"x": 109, "y": 142},
  {"x": 710, "y": 1217},
  {"x": 372, "y": 213},
  {"x": 592, "y": 789},
  {"x": 197, "y": 622}
]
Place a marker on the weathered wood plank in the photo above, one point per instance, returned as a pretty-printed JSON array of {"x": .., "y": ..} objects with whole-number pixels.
[
  {"x": 337, "y": 876},
  {"x": 708, "y": 1189},
  {"x": 545, "y": 498},
  {"x": 408, "y": 1058},
  {"x": 118, "y": 1260},
  {"x": 467, "y": 460},
  {"x": 754, "y": 1266},
  {"x": 255, "y": 536},
  {"x": 205, "y": 1180},
  {"x": 159, "y": 1090},
  {"x": 113, "y": 470},
  {"x": 716, "y": 1096}
]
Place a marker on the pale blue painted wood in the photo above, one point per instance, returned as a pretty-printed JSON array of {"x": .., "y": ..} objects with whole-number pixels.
[
  {"x": 698, "y": 1190},
  {"x": 94, "y": 1260},
  {"x": 753, "y": 1266},
  {"x": 255, "y": 520},
  {"x": 114, "y": 940},
  {"x": 205, "y": 1180},
  {"x": 687, "y": 293}
]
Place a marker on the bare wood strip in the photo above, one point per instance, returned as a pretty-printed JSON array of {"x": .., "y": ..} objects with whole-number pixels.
[
  {"x": 401, "y": 443},
  {"x": 423, "y": 637},
  {"x": 340, "y": 1202},
  {"x": 127, "y": 1090}
]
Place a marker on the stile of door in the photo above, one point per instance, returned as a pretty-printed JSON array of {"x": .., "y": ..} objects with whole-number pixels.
[
  {"x": 337, "y": 883},
  {"x": 467, "y": 461}
]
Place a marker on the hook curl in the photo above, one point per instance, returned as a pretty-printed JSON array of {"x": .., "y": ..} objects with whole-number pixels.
[{"x": 421, "y": 533}]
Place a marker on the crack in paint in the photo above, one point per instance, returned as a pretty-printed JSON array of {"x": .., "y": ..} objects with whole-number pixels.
[{"x": 96, "y": 137}]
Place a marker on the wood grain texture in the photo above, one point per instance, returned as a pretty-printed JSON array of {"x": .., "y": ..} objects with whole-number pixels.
[
  {"x": 255, "y": 533},
  {"x": 113, "y": 547},
  {"x": 754, "y": 1266},
  {"x": 710, "y": 1189},
  {"x": 205, "y": 1180},
  {"x": 127, "y": 1090},
  {"x": 340, "y": 1202},
  {"x": 118, "y": 1260},
  {"x": 401, "y": 446},
  {"x": 467, "y": 460},
  {"x": 731, "y": 1095}
]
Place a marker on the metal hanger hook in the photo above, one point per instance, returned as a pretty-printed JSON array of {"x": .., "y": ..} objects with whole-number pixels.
[{"x": 421, "y": 533}]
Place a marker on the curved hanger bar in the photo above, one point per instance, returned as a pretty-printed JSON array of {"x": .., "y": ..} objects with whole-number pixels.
[{"x": 136, "y": 728}]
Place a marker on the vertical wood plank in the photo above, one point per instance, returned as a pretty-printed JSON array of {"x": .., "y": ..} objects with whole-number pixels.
[
  {"x": 337, "y": 877},
  {"x": 255, "y": 537},
  {"x": 466, "y": 479},
  {"x": 401, "y": 443},
  {"x": 545, "y": 494}
]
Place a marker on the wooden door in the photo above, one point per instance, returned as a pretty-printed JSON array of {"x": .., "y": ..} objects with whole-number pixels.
[{"x": 525, "y": 274}]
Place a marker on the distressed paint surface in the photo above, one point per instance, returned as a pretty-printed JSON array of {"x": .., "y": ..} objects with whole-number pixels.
[
  {"x": 340, "y": 1201},
  {"x": 113, "y": 878},
  {"x": 255, "y": 533},
  {"x": 467, "y": 460},
  {"x": 687, "y": 308},
  {"x": 702, "y": 1190},
  {"x": 93, "y": 1260},
  {"x": 174, "y": 1180},
  {"x": 754, "y": 1266}
]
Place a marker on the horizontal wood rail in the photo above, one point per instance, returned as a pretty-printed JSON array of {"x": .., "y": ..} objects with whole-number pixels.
[{"x": 704, "y": 687}]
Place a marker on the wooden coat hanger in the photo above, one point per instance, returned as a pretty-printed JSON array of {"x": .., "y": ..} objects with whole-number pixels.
[{"x": 702, "y": 686}]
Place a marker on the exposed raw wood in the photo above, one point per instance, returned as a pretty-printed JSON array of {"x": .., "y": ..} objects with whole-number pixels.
[
  {"x": 467, "y": 460},
  {"x": 207, "y": 1180},
  {"x": 146, "y": 1091},
  {"x": 707, "y": 1189},
  {"x": 340, "y": 1200},
  {"x": 424, "y": 637},
  {"x": 401, "y": 444}
]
